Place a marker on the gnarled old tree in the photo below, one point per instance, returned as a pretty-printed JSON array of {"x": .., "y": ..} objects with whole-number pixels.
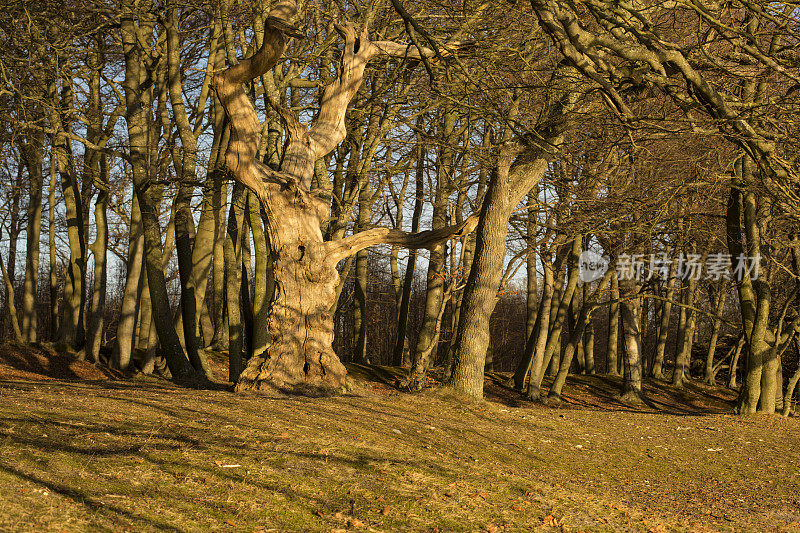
[{"x": 301, "y": 357}]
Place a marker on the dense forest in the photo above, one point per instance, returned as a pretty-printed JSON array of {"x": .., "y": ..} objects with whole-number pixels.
[{"x": 538, "y": 188}]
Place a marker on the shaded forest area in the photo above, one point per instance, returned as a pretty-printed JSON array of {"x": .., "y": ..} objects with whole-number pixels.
[{"x": 418, "y": 184}]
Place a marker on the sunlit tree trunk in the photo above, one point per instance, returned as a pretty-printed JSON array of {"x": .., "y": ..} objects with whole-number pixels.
[{"x": 140, "y": 132}]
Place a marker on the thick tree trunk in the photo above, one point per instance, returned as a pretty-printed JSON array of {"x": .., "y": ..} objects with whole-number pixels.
[
  {"x": 301, "y": 358},
  {"x": 480, "y": 294}
]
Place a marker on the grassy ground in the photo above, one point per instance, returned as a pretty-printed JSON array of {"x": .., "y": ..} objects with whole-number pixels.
[{"x": 145, "y": 455}]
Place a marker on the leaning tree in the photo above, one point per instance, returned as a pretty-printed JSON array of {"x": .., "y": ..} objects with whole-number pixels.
[{"x": 301, "y": 357}]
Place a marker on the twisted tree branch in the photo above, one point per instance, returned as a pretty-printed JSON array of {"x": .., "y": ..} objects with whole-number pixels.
[{"x": 338, "y": 250}]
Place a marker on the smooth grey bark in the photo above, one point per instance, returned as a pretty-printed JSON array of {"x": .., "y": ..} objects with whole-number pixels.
[
  {"x": 126, "y": 326},
  {"x": 233, "y": 280},
  {"x": 263, "y": 279},
  {"x": 582, "y": 322},
  {"x": 148, "y": 192},
  {"x": 51, "y": 241},
  {"x": 557, "y": 318},
  {"x": 33, "y": 155},
  {"x": 630, "y": 309}
]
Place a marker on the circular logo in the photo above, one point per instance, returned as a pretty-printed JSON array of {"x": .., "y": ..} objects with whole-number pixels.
[{"x": 591, "y": 266}]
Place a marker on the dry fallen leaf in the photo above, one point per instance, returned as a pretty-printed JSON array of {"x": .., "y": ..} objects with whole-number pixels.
[{"x": 356, "y": 523}]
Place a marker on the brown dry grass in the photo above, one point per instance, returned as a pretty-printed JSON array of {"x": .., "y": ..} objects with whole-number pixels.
[{"x": 146, "y": 455}]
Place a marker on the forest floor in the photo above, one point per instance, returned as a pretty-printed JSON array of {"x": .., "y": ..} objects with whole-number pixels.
[{"x": 84, "y": 448}]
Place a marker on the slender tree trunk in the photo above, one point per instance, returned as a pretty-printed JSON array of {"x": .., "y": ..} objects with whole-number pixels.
[
  {"x": 532, "y": 286},
  {"x": 719, "y": 305},
  {"x": 32, "y": 153},
  {"x": 71, "y": 332},
  {"x": 263, "y": 282},
  {"x": 582, "y": 322},
  {"x": 537, "y": 340},
  {"x": 126, "y": 327},
  {"x": 11, "y": 307},
  {"x": 220, "y": 338},
  {"x": 99, "y": 249},
  {"x": 360, "y": 293},
  {"x": 681, "y": 365},
  {"x": 735, "y": 363},
  {"x": 557, "y": 321},
  {"x": 663, "y": 325},
  {"x": 434, "y": 292},
  {"x": 51, "y": 245},
  {"x": 630, "y": 309},
  {"x": 683, "y": 362},
  {"x": 233, "y": 272},
  {"x": 588, "y": 345},
  {"x": 401, "y": 350},
  {"x": 139, "y": 103}
]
